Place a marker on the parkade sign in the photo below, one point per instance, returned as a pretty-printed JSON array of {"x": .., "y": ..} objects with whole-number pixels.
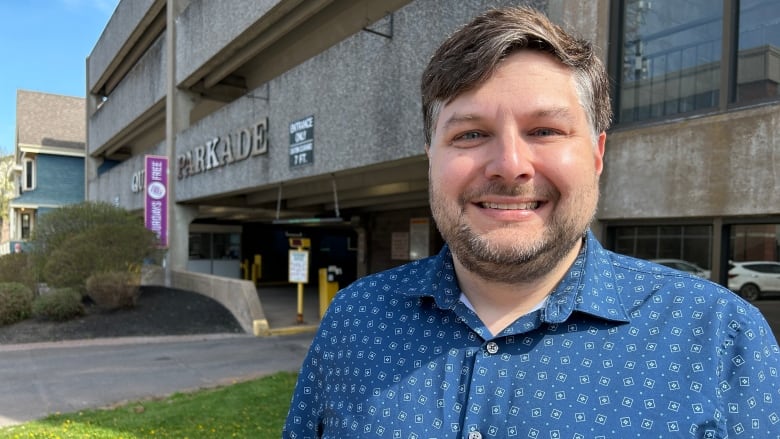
[{"x": 224, "y": 150}]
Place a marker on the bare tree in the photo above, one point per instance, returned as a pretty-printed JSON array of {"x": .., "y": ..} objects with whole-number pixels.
[{"x": 6, "y": 184}]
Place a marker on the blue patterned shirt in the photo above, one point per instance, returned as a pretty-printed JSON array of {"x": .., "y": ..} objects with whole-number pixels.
[{"x": 623, "y": 348}]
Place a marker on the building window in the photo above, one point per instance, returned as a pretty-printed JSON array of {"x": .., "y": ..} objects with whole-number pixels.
[
  {"x": 206, "y": 245},
  {"x": 28, "y": 178},
  {"x": 758, "y": 50},
  {"x": 674, "y": 57},
  {"x": 25, "y": 226},
  {"x": 691, "y": 243},
  {"x": 755, "y": 242},
  {"x": 200, "y": 246}
]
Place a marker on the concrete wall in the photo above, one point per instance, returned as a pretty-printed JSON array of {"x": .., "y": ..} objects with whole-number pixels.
[
  {"x": 227, "y": 121},
  {"x": 119, "y": 179},
  {"x": 205, "y": 27},
  {"x": 719, "y": 165},
  {"x": 238, "y": 296},
  {"x": 123, "y": 23},
  {"x": 140, "y": 90},
  {"x": 383, "y": 225}
]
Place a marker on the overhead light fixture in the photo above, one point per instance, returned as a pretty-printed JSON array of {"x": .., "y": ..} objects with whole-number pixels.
[
  {"x": 313, "y": 220},
  {"x": 329, "y": 220}
]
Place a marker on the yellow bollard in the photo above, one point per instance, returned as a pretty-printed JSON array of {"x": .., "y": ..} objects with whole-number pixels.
[
  {"x": 245, "y": 269},
  {"x": 299, "y": 318},
  {"x": 328, "y": 291},
  {"x": 257, "y": 269}
]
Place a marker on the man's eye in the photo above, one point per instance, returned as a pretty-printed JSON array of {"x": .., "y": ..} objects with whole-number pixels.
[
  {"x": 470, "y": 136},
  {"x": 542, "y": 132}
]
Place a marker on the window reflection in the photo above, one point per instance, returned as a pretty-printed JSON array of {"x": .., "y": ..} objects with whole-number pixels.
[
  {"x": 200, "y": 246},
  {"x": 671, "y": 56},
  {"x": 758, "y": 73},
  {"x": 206, "y": 245},
  {"x": 25, "y": 226},
  {"x": 687, "y": 243},
  {"x": 755, "y": 242}
]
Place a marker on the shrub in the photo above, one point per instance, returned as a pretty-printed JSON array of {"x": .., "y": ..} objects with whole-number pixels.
[
  {"x": 15, "y": 302},
  {"x": 57, "y": 226},
  {"x": 14, "y": 267},
  {"x": 113, "y": 290},
  {"x": 101, "y": 249},
  {"x": 59, "y": 305}
]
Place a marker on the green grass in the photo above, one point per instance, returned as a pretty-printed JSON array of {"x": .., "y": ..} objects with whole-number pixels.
[{"x": 252, "y": 409}]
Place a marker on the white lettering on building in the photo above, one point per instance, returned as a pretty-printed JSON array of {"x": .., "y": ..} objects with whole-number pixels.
[
  {"x": 221, "y": 151},
  {"x": 137, "y": 181},
  {"x": 302, "y": 124}
]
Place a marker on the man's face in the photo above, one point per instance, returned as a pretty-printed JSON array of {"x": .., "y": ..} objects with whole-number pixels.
[{"x": 514, "y": 168}]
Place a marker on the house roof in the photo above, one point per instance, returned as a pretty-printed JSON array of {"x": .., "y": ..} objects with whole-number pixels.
[{"x": 49, "y": 121}]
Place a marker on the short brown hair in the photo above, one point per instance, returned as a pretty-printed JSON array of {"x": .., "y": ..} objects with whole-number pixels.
[{"x": 471, "y": 55}]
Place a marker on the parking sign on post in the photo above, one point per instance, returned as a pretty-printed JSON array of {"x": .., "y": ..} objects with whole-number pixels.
[{"x": 298, "y": 268}]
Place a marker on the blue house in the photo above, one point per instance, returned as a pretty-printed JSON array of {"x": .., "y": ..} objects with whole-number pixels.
[{"x": 48, "y": 167}]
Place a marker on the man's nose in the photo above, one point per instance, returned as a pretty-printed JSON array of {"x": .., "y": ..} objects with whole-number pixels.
[{"x": 510, "y": 158}]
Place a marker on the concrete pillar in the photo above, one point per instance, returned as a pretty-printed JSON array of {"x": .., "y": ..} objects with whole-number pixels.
[
  {"x": 90, "y": 163},
  {"x": 588, "y": 19},
  {"x": 178, "y": 105},
  {"x": 362, "y": 259},
  {"x": 179, "y": 235},
  {"x": 718, "y": 251}
]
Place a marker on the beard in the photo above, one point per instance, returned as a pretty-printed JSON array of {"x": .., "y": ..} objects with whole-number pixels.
[{"x": 519, "y": 259}]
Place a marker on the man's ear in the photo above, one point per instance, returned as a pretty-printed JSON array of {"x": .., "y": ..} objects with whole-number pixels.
[{"x": 599, "y": 152}]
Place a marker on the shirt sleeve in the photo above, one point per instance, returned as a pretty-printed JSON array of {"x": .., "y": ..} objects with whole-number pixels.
[
  {"x": 750, "y": 381},
  {"x": 305, "y": 414}
]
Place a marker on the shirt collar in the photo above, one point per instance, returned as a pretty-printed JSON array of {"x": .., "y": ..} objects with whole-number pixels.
[{"x": 588, "y": 287}]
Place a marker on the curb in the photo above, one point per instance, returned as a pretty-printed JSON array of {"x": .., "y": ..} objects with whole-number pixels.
[
  {"x": 291, "y": 330},
  {"x": 117, "y": 341}
]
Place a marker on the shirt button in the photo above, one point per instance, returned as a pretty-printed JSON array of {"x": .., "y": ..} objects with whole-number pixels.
[
  {"x": 475, "y": 435},
  {"x": 492, "y": 347}
]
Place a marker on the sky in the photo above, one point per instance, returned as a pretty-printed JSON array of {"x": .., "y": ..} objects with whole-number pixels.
[{"x": 44, "y": 45}]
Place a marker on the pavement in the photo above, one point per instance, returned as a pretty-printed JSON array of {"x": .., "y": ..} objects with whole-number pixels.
[{"x": 39, "y": 379}]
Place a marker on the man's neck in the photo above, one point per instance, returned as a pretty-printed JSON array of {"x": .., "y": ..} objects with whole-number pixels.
[{"x": 499, "y": 304}]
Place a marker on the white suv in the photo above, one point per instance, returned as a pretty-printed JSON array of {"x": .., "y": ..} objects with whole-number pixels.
[{"x": 753, "y": 278}]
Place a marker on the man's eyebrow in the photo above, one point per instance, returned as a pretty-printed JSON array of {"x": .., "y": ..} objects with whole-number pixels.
[
  {"x": 555, "y": 113},
  {"x": 564, "y": 113},
  {"x": 457, "y": 118}
]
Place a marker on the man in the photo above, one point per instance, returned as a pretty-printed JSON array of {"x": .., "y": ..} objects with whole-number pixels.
[{"x": 523, "y": 325}]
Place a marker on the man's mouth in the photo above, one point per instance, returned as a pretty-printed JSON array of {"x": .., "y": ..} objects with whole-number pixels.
[{"x": 511, "y": 206}]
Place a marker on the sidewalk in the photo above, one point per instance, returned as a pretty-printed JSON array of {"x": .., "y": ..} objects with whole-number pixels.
[{"x": 280, "y": 304}]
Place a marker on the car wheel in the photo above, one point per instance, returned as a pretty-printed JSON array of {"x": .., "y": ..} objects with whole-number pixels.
[{"x": 750, "y": 292}]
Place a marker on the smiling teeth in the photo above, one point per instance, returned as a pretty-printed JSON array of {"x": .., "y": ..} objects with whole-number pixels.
[{"x": 514, "y": 206}]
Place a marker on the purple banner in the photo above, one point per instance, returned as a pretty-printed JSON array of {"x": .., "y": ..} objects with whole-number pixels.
[{"x": 156, "y": 200}]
